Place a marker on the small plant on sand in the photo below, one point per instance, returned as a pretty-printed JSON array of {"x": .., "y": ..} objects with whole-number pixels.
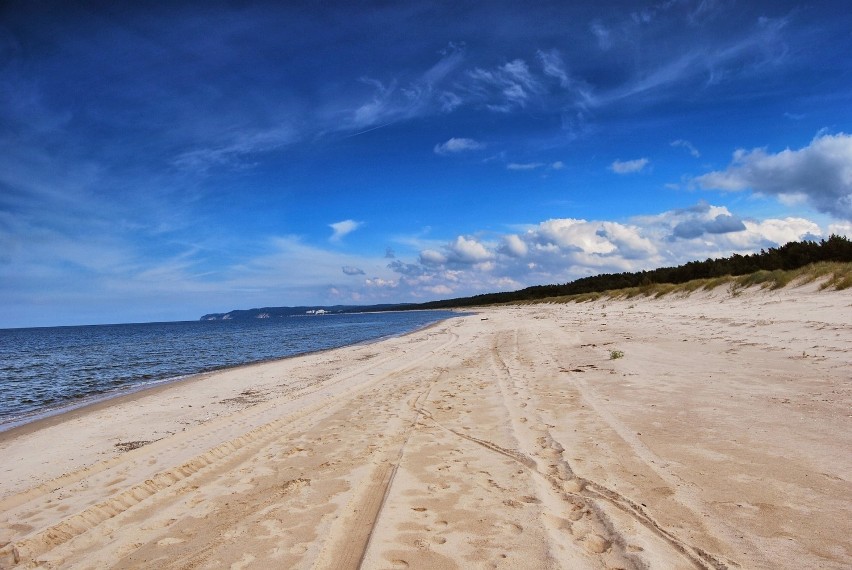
[{"x": 613, "y": 354}]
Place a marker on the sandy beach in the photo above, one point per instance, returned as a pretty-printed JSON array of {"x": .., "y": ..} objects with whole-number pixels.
[{"x": 719, "y": 437}]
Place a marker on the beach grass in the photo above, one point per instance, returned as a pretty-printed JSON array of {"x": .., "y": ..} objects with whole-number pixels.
[{"x": 831, "y": 275}]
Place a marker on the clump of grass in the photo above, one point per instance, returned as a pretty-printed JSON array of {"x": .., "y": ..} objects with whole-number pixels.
[
  {"x": 710, "y": 284},
  {"x": 767, "y": 279},
  {"x": 585, "y": 297},
  {"x": 663, "y": 289},
  {"x": 615, "y": 354},
  {"x": 841, "y": 275}
]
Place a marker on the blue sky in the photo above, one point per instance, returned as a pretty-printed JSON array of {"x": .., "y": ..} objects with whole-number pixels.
[{"x": 163, "y": 160}]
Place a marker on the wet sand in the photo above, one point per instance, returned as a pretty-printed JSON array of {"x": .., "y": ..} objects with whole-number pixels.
[{"x": 507, "y": 439}]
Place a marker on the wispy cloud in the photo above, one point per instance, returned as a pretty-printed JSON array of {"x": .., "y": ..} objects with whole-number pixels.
[
  {"x": 552, "y": 64},
  {"x": 349, "y": 270},
  {"x": 233, "y": 152},
  {"x": 602, "y": 35},
  {"x": 629, "y": 166},
  {"x": 505, "y": 88}
]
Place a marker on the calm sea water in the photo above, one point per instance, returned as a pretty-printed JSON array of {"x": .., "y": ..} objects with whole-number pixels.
[{"x": 45, "y": 369}]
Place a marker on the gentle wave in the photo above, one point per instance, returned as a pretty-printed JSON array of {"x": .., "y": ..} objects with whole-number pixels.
[{"x": 48, "y": 368}]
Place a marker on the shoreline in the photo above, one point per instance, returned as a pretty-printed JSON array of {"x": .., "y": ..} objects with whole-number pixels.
[
  {"x": 716, "y": 439},
  {"x": 8, "y": 426}
]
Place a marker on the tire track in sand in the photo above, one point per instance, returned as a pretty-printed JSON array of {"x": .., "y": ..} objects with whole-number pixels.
[
  {"x": 589, "y": 525},
  {"x": 592, "y": 490},
  {"x": 364, "y": 512},
  {"x": 169, "y": 483}
]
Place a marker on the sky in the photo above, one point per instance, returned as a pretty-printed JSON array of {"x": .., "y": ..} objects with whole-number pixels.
[{"x": 162, "y": 160}]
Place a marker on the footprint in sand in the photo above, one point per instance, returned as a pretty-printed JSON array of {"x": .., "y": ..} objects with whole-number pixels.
[
  {"x": 596, "y": 544},
  {"x": 510, "y": 526}
]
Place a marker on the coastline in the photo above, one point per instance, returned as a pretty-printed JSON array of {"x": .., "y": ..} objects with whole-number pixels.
[
  {"x": 54, "y": 415},
  {"x": 716, "y": 439}
]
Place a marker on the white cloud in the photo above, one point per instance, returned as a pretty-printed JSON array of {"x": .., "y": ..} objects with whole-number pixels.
[
  {"x": 432, "y": 257},
  {"x": 467, "y": 250},
  {"x": 514, "y": 245},
  {"x": 629, "y": 166},
  {"x": 558, "y": 165},
  {"x": 457, "y": 145},
  {"x": 381, "y": 283},
  {"x": 570, "y": 234},
  {"x": 841, "y": 229},
  {"x": 781, "y": 231},
  {"x": 821, "y": 172},
  {"x": 341, "y": 229},
  {"x": 440, "y": 290}
]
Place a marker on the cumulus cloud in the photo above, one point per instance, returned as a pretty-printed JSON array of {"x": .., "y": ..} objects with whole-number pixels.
[
  {"x": 629, "y": 166},
  {"x": 563, "y": 249},
  {"x": 820, "y": 173},
  {"x": 341, "y": 229},
  {"x": 781, "y": 231},
  {"x": 457, "y": 145},
  {"x": 440, "y": 290},
  {"x": 841, "y": 229},
  {"x": 467, "y": 250},
  {"x": 721, "y": 224},
  {"x": 409, "y": 269},
  {"x": 432, "y": 257},
  {"x": 513, "y": 245},
  {"x": 349, "y": 270},
  {"x": 688, "y": 146}
]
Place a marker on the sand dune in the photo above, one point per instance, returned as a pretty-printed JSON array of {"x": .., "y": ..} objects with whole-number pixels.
[{"x": 507, "y": 439}]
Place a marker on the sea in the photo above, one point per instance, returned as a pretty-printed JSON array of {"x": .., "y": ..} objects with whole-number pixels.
[{"x": 44, "y": 371}]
